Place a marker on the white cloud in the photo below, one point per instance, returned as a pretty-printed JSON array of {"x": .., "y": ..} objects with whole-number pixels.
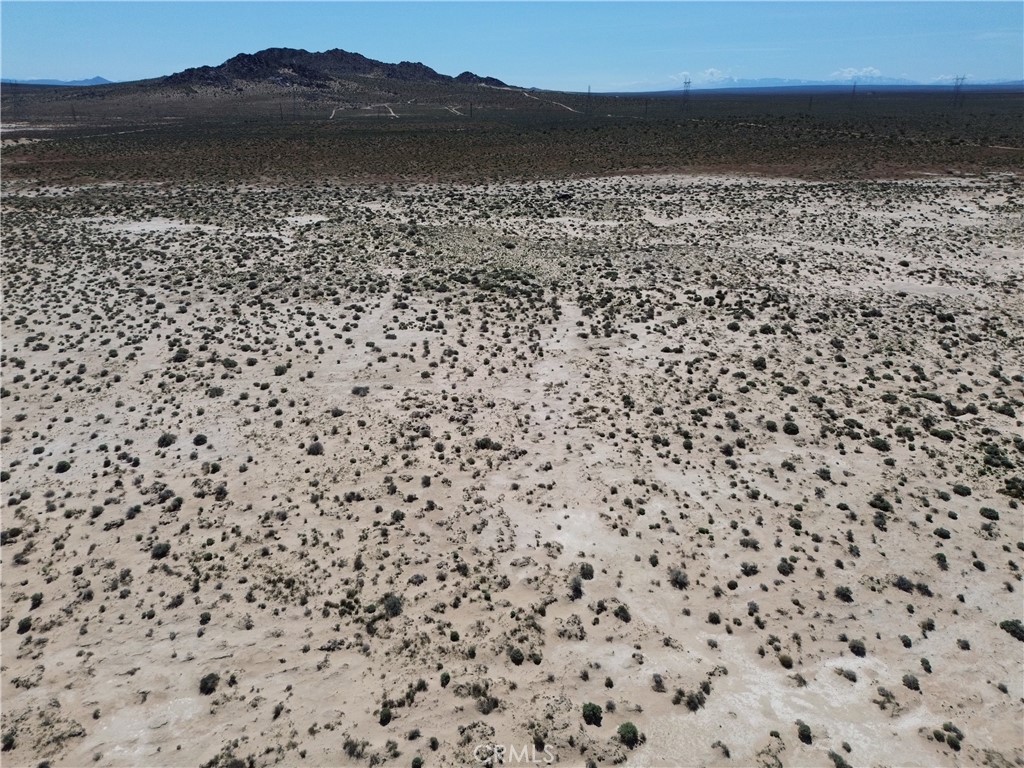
[
  {"x": 713, "y": 75},
  {"x": 852, "y": 73}
]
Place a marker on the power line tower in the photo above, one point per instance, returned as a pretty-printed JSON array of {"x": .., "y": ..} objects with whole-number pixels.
[
  {"x": 958, "y": 95},
  {"x": 686, "y": 91}
]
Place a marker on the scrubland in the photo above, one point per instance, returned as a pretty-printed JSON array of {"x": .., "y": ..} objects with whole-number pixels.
[{"x": 657, "y": 470}]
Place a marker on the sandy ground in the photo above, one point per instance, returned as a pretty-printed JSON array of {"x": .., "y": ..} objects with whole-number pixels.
[{"x": 354, "y": 475}]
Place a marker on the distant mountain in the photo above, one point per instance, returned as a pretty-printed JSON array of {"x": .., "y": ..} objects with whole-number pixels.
[
  {"x": 779, "y": 82},
  {"x": 867, "y": 81},
  {"x": 91, "y": 81},
  {"x": 296, "y": 67}
]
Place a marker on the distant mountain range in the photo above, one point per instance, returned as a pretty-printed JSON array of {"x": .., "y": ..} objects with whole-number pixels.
[
  {"x": 864, "y": 81},
  {"x": 91, "y": 81}
]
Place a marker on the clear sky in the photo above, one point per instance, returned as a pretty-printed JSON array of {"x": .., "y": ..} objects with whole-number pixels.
[{"x": 556, "y": 45}]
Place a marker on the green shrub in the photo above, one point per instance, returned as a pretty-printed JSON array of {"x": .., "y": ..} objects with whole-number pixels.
[
  {"x": 591, "y": 714},
  {"x": 803, "y": 730},
  {"x": 629, "y": 735}
]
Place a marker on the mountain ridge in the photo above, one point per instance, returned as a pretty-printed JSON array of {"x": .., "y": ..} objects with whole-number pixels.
[
  {"x": 289, "y": 67},
  {"x": 50, "y": 81}
]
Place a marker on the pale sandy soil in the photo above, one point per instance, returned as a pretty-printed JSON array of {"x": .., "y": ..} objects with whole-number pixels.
[{"x": 507, "y": 385}]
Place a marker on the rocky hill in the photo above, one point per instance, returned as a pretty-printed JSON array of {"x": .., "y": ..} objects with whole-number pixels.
[{"x": 288, "y": 67}]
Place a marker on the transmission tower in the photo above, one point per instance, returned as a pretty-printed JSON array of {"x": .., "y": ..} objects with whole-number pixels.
[
  {"x": 686, "y": 91},
  {"x": 958, "y": 96}
]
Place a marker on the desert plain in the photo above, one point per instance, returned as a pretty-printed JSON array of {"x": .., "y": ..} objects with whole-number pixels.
[{"x": 661, "y": 469}]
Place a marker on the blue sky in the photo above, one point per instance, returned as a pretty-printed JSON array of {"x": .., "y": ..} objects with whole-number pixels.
[{"x": 556, "y": 45}]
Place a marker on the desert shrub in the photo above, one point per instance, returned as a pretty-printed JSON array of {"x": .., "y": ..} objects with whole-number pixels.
[
  {"x": 160, "y": 550},
  {"x": 785, "y": 567},
  {"x": 586, "y": 571},
  {"x": 24, "y": 625},
  {"x": 62, "y": 466},
  {"x": 208, "y": 684},
  {"x": 989, "y": 514},
  {"x": 790, "y": 428},
  {"x": 857, "y": 648},
  {"x": 516, "y": 655},
  {"x": 879, "y": 502},
  {"x": 622, "y": 613},
  {"x": 677, "y": 578},
  {"x": 385, "y": 715},
  {"x": 487, "y": 704},
  {"x": 911, "y": 682},
  {"x": 166, "y": 440},
  {"x": 629, "y": 735},
  {"x": 903, "y": 583},
  {"x": 844, "y": 594},
  {"x": 392, "y": 605},
  {"x": 199, "y": 440},
  {"x": 315, "y": 448},
  {"x": 803, "y": 730},
  {"x": 591, "y": 714},
  {"x": 962, "y": 490},
  {"x": 575, "y": 588},
  {"x": 1014, "y": 627}
]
